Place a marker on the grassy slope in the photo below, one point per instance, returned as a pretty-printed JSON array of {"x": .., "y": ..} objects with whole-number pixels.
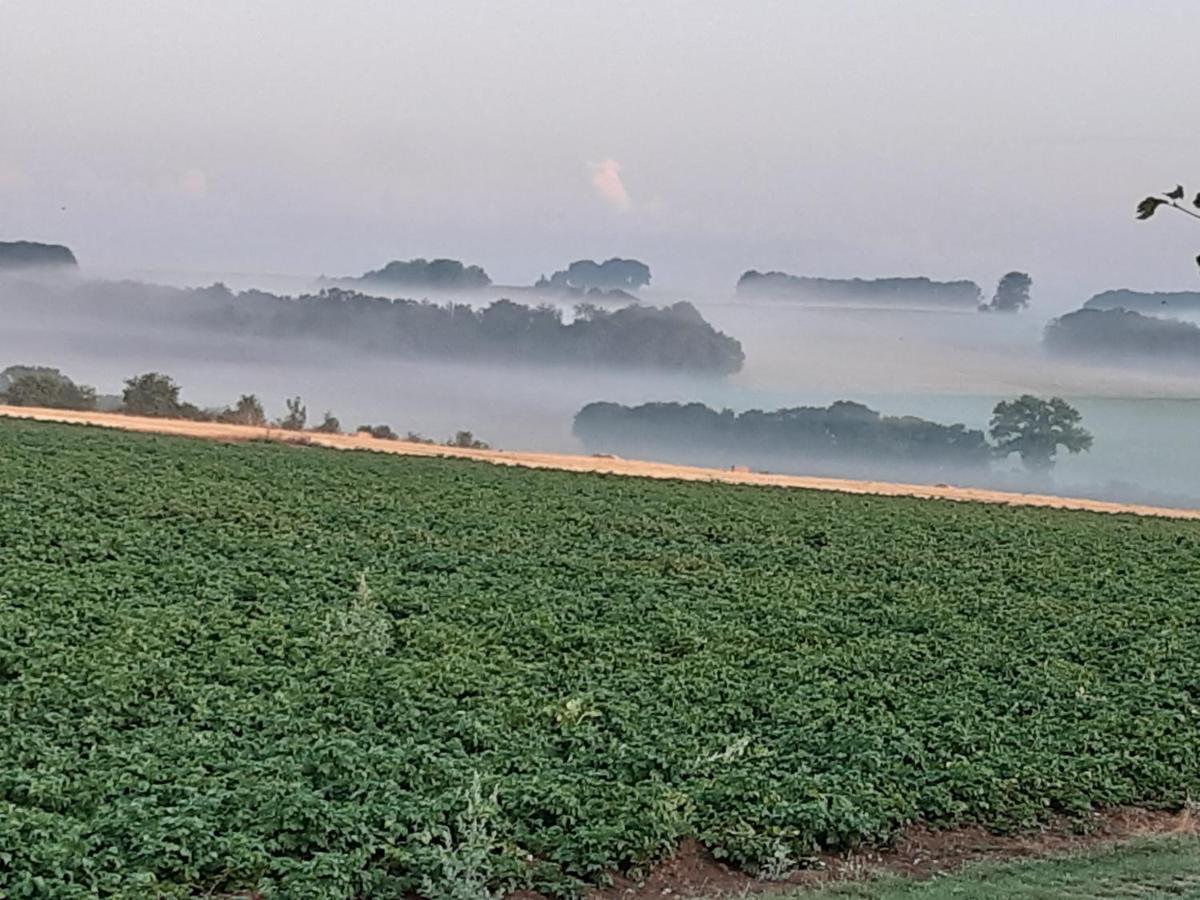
[
  {"x": 194, "y": 691},
  {"x": 1163, "y": 868}
]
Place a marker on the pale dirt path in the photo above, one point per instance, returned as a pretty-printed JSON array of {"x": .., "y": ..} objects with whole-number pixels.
[{"x": 572, "y": 463}]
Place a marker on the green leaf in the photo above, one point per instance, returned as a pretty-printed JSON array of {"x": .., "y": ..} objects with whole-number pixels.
[{"x": 1146, "y": 208}]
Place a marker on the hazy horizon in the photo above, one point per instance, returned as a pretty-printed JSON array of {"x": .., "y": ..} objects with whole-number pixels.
[{"x": 856, "y": 139}]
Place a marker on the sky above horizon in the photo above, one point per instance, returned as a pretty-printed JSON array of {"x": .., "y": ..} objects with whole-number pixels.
[{"x": 948, "y": 139}]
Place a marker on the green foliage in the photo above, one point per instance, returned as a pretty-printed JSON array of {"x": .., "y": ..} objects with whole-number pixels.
[
  {"x": 1174, "y": 200},
  {"x": 297, "y": 415},
  {"x": 31, "y": 254},
  {"x": 1116, "y": 333},
  {"x": 41, "y": 386},
  {"x": 844, "y": 438},
  {"x": 152, "y": 394},
  {"x": 1012, "y": 293},
  {"x": 919, "y": 291},
  {"x": 384, "y": 432},
  {"x": 437, "y": 274},
  {"x": 1152, "y": 303},
  {"x": 544, "y": 676},
  {"x": 633, "y": 337},
  {"x": 467, "y": 441},
  {"x": 247, "y": 411},
  {"x": 1036, "y": 428},
  {"x": 1161, "y": 867},
  {"x": 330, "y": 424},
  {"x": 587, "y": 275}
]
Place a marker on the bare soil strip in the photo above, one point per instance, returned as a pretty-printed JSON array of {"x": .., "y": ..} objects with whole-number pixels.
[
  {"x": 574, "y": 463},
  {"x": 918, "y": 853}
]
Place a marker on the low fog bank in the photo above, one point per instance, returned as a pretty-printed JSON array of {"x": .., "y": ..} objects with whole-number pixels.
[
  {"x": 946, "y": 366},
  {"x": 870, "y": 351}
]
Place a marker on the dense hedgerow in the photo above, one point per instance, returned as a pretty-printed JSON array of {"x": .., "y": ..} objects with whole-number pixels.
[{"x": 324, "y": 674}]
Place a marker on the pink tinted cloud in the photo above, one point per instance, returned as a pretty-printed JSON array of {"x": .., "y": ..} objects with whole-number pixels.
[{"x": 606, "y": 180}]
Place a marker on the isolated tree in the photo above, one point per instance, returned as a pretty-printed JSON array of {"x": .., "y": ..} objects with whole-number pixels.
[
  {"x": 49, "y": 388},
  {"x": 329, "y": 424},
  {"x": 415, "y": 437},
  {"x": 247, "y": 411},
  {"x": 297, "y": 415},
  {"x": 1035, "y": 429},
  {"x": 1012, "y": 293},
  {"x": 383, "y": 432},
  {"x": 1174, "y": 200},
  {"x": 152, "y": 394},
  {"x": 467, "y": 441}
]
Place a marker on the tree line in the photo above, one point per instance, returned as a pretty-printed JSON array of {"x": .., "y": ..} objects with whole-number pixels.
[
  {"x": 1117, "y": 332},
  {"x": 1012, "y": 292},
  {"x": 157, "y": 395},
  {"x": 614, "y": 276},
  {"x": 850, "y": 434},
  {"x": 674, "y": 337}
]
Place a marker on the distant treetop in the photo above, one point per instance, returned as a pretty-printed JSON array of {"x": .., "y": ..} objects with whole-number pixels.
[
  {"x": 918, "y": 291},
  {"x": 1149, "y": 302},
  {"x": 1114, "y": 333},
  {"x": 30, "y": 254},
  {"x": 587, "y": 274},
  {"x": 1012, "y": 294},
  {"x": 438, "y": 274}
]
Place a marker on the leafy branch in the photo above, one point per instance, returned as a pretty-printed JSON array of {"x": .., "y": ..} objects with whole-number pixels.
[{"x": 1173, "y": 199}]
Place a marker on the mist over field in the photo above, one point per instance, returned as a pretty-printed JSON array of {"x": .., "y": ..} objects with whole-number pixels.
[{"x": 946, "y": 366}]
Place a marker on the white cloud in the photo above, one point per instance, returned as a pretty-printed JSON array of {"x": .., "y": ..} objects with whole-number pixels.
[{"x": 606, "y": 180}]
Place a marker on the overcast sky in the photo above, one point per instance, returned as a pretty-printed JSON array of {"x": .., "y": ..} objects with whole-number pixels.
[{"x": 954, "y": 139}]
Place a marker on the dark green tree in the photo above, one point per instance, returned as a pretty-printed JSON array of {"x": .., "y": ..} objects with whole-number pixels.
[
  {"x": 297, "y": 415},
  {"x": 247, "y": 411},
  {"x": 1012, "y": 293},
  {"x": 152, "y": 394},
  {"x": 383, "y": 432},
  {"x": 467, "y": 441},
  {"x": 48, "y": 388},
  {"x": 330, "y": 424},
  {"x": 1036, "y": 428}
]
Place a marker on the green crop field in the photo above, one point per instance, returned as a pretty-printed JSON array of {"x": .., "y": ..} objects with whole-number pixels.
[{"x": 323, "y": 674}]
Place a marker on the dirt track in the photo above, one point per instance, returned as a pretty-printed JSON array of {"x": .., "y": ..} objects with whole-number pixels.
[{"x": 570, "y": 463}]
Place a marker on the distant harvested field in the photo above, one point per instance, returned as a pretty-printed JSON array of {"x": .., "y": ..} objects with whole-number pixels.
[
  {"x": 246, "y": 667},
  {"x": 603, "y": 463}
]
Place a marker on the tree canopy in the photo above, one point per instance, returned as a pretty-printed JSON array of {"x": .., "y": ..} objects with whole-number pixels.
[
  {"x": 636, "y": 336},
  {"x": 247, "y": 411},
  {"x": 1035, "y": 428},
  {"x": 152, "y": 394},
  {"x": 1012, "y": 293},
  {"x": 919, "y": 291},
  {"x": 1109, "y": 334},
  {"x": 612, "y": 274},
  {"x": 432, "y": 274},
  {"x": 43, "y": 386},
  {"x": 296, "y": 417},
  {"x": 1151, "y": 303},
  {"x": 31, "y": 254},
  {"x": 845, "y": 437}
]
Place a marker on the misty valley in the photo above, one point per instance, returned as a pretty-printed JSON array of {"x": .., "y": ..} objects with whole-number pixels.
[{"x": 885, "y": 379}]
